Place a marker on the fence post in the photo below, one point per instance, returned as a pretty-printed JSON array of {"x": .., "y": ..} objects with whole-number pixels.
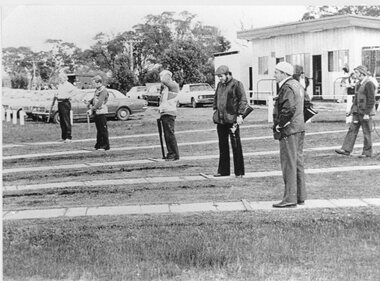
[
  {"x": 22, "y": 117},
  {"x": 348, "y": 108},
  {"x": 71, "y": 117},
  {"x": 14, "y": 116},
  {"x": 270, "y": 108},
  {"x": 8, "y": 112}
]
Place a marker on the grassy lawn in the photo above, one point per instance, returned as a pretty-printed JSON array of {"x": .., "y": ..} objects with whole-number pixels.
[
  {"x": 305, "y": 244},
  {"x": 301, "y": 245}
]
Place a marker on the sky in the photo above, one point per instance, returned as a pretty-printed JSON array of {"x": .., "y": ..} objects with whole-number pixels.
[{"x": 31, "y": 25}]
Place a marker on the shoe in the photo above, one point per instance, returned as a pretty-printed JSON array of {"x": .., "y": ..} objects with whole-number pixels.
[
  {"x": 342, "y": 152},
  {"x": 284, "y": 205},
  {"x": 67, "y": 141},
  {"x": 363, "y": 156},
  {"x": 299, "y": 202},
  {"x": 221, "y": 175},
  {"x": 171, "y": 159}
]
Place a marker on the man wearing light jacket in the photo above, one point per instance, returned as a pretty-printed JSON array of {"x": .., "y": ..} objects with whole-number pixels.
[
  {"x": 168, "y": 112},
  {"x": 289, "y": 129}
]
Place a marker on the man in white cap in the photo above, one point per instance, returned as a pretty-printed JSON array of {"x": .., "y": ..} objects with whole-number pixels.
[
  {"x": 168, "y": 112},
  {"x": 362, "y": 110},
  {"x": 65, "y": 92},
  {"x": 230, "y": 102},
  {"x": 289, "y": 129}
]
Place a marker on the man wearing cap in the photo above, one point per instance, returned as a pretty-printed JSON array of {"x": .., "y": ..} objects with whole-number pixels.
[
  {"x": 65, "y": 91},
  {"x": 229, "y": 104},
  {"x": 289, "y": 129},
  {"x": 362, "y": 110},
  {"x": 168, "y": 112},
  {"x": 98, "y": 107}
]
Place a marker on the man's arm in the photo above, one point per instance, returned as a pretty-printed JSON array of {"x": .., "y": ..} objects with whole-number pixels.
[
  {"x": 370, "y": 93},
  {"x": 288, "y": 107}
]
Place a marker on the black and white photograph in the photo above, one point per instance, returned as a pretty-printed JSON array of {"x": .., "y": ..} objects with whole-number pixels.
[{"x": 190, "y": 141}]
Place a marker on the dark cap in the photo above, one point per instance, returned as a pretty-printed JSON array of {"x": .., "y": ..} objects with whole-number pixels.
[
  {"x": 223, "y": 69},
  {"x": 362, "y": 69}
]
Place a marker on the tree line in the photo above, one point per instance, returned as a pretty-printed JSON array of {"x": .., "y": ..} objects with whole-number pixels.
[{"x": 134, "y": 57}]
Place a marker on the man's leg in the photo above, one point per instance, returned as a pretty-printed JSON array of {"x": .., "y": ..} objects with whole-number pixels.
[
  {"x": 103, "y": 132},
  {"x": 98, "y": 134},
  {"x": 224, "y": 150},
  {"x": 237, "y": 152},
  {"x": 301, "y": 188},
  {"x": 170, "y": 139},
  {"x": 367, "y": 145},
  {"x": 64, "y": 119},
  {"x": 288, "y": 157},
  {"x": 349, "y": 140}
]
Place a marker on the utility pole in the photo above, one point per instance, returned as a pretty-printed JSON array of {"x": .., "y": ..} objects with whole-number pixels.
[{"x": 129, "y": 44}]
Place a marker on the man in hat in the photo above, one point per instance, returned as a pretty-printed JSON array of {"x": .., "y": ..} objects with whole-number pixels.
[
  {"x": 168, "y": 112},
  {"x": 229, "y": 104},
  {"x": 98, "y": 107},
  {"x": 65, "y": 92},
  {"x": 362, "y": 110},
  {"x": 289, "y": 129}
]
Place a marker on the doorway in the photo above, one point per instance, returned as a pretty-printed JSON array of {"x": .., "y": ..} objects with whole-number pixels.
[{"x": 317, "y": 77}]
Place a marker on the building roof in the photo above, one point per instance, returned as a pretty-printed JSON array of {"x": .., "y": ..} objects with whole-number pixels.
[{"x": 317, "y": 25}]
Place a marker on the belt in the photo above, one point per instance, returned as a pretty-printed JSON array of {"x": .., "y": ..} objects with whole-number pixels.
[{"x": 62, "y": 100}]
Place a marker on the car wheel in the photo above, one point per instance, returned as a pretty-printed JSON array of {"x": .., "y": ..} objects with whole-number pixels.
[
  {"x": 193, "y": 103},
  {"x": 123, "y": 114},
  {"x": 56, "y": 117}
]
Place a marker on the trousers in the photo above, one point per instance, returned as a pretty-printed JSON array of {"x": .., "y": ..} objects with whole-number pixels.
[
  {"x": 168, "y": 122},
  {"x": 64, "y": 108},
  {"x": 349, "y": 140},
  {"x": 224, "y": 131},
  {"x": 102, "y": 140},
  {"x": 292, "y": 166}
]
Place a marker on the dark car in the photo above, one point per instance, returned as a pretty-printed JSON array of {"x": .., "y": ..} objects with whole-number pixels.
[
  {"x": 152, "y": 94},
  {"x": 119, "y": 106}
]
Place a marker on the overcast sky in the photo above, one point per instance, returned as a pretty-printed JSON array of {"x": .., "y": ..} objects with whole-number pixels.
[{"x": 31, "y": 25}]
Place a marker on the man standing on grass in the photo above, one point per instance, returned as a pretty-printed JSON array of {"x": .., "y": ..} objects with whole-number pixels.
[
  {"x": 289, "y": 129},
  {"x": 65, "y": 91},
  {"x": 229, "y": 105},
  {"x": 168, "y": 112},
  {"x": 362, "y": 110}
]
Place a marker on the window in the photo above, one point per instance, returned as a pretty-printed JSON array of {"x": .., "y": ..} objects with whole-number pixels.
[
  {"x": 263, "y": 65},
  {"x": 337, "y": 60},
  {"x": 371, "y": 59},
  {"x": 301, "y": 63}
]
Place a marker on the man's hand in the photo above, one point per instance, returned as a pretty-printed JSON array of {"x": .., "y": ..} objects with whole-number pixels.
[
  {"x": 89, "y": 112},
  {"x": 366, "y": 117},
  {"x": 239, "y": 120},
  {"x": 277, "y": 128}
]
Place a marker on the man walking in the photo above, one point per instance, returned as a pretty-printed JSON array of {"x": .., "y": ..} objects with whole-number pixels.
[
  {"x": 65, "y": 91},
  {"x": 168, "y": 112},
  {"x": 362, "y": 110},
  {"x": 289, "y": 129},
  {"x": 230, "y": 102}
]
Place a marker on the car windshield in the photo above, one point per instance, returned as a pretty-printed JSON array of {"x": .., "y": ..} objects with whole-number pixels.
[
  {"x": 140, "y": 89},
  {"x": 200, "y": 87}
]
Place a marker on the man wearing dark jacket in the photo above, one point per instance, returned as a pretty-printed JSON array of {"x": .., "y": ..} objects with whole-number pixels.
[
  {"x": 362, "y": 110},
  {"x": 289, "y": 129},
  {"x": 230, "y": 102}
]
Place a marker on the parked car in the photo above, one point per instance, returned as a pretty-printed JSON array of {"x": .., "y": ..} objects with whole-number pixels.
[
  {"x": 196, "y": 94},
  {"x": 152, "y": 94},
  {"x": 136, "y": 92},
  {"x": 119, "y": 106}
]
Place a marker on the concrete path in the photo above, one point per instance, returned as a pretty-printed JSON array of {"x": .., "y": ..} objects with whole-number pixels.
[
  {"x": 152, "y": 160},
  {"x": 83, "y": 151},
  {"x": 148, "y": 180},
  {"x": 174, "y": 208}
]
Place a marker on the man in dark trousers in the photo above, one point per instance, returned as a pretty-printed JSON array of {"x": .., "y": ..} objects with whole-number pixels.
[
  {"x": 65, "y": 92},
  {"x": 362, "y": 110},
  {"x": 229, "y": 105},
  {"x": 168, "y": 112},
  {"x": 289, "y": 129},
  {"x": 98, "y": 107}
]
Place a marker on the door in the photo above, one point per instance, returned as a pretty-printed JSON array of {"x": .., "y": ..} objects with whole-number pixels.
[{"x": 317, "y": 77}]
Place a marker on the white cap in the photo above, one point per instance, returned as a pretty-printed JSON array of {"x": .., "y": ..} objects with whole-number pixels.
[
  {"x": 164, "y": 73},
  {"x": 285, "y": 67}
]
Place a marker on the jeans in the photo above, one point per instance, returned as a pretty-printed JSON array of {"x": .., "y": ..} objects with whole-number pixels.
[
  {"x": 224, "y": 151},
  {"x": 102, "y": 132},
  {"x": 170, "y": 140},
  {"x": 64, "y": 108}
]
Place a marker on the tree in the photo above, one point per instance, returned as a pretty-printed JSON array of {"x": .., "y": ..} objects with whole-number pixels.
[{"x": 315, "y": 12}]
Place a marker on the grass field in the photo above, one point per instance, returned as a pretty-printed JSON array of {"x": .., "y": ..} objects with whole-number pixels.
[{"x": 305, "y": 244}]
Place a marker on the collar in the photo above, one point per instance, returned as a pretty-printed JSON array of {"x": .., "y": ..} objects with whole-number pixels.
[
  {"x": 284, "y": 81},
  {"x": 364, "y": 79}
]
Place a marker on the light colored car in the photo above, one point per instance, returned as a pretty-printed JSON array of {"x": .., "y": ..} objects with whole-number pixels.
[
  {"x": 196, "y": 94},
  {"x": 152, "y": 94},
  {"x": 136, "y": 92},
  {"x": 119, "y": 106}
]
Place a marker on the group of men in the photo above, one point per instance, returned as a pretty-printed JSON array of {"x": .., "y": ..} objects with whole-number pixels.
[{"x": 229, "y": 105}]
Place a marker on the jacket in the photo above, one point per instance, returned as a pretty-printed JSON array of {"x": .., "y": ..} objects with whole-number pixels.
[
  {"x": 288, "y": 110},
  {"x": 169, "y": 98},
  {"x": 364, "y": 100},
  {"x": 229, "y": 101},
  {"x": 98, "y": 102}
]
